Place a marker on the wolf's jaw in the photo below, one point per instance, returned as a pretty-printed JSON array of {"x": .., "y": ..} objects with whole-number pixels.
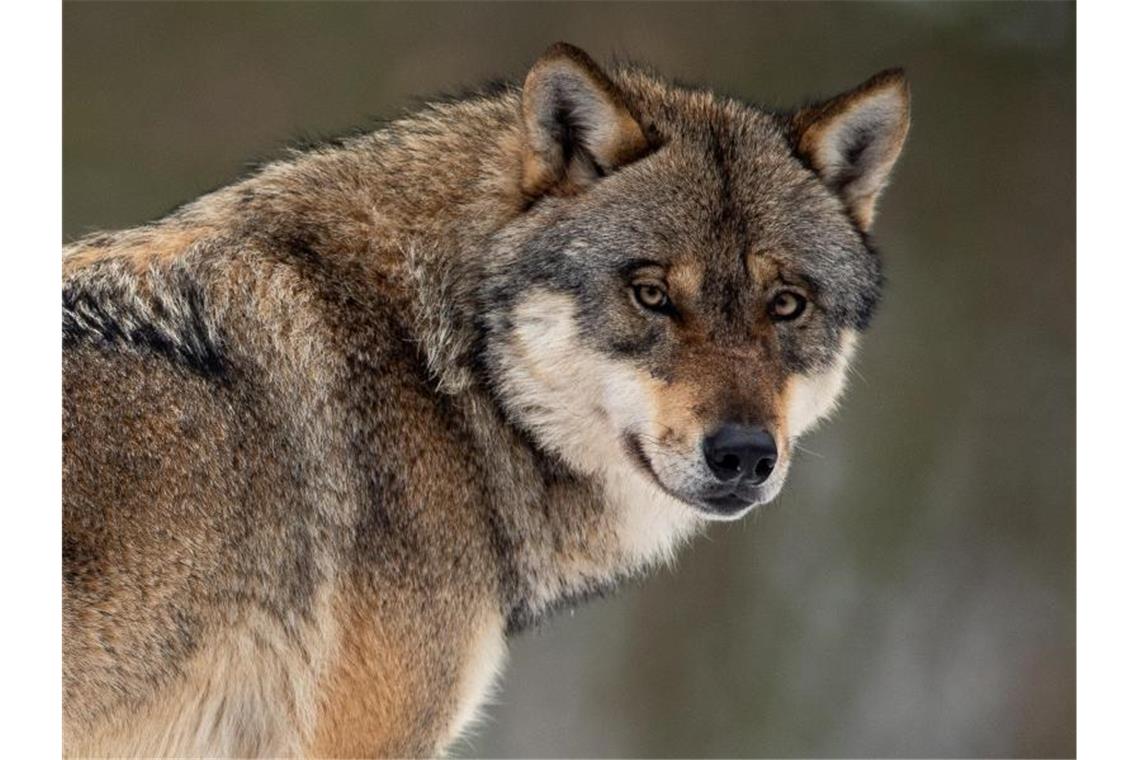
[{"x": 649, "y": 523}]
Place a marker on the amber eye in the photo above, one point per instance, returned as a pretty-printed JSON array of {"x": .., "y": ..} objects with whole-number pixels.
[
  {"x": 786, "y": 305},
  {"x": 651, "y": 296}
]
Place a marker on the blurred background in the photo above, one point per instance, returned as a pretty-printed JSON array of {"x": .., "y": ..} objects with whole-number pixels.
[{"x": 913, "y": 591}]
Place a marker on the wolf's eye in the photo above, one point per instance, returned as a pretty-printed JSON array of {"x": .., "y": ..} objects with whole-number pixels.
[
  {"x": 786, "y": 305},
  {"x": 652, "y": 297}
]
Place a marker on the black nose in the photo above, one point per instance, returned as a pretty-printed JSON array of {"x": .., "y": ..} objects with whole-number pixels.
[{"x": 741, "y": 453}]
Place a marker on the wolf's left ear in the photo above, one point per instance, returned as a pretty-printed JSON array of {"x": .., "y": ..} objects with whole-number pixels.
[
  {"x": 577, "y": 124},
  {"x": 853, "y": 140}
]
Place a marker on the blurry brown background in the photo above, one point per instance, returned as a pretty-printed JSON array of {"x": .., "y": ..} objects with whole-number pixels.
[{"x": 913, "y": 591}]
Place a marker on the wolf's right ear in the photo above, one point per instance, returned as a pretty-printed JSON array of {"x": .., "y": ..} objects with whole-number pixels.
[
  {"x": 577, "y": 124},
  {"x": 854, "y": 139}
]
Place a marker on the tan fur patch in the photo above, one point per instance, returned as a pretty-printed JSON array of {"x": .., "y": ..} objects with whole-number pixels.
[
  {"x": 142, "y": 249},
  {"x": 684, "y": 277},
  {"x": 675, "y": 421},
  {"x": 371, "y": 693},
  {"x": 763, "y": 268}
]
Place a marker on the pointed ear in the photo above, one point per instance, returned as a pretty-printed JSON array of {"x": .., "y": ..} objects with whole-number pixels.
[
  {"x": 853, "y": 140},
  {"x": 577, "y": 124}
]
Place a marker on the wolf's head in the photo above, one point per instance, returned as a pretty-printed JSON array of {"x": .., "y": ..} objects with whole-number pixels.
[{"x": 683, "y": 293}]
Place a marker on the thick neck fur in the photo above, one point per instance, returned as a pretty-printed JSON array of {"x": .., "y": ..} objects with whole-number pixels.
[{"x": 411, "y": 210}]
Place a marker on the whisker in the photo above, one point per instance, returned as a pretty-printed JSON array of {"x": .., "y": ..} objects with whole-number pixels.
[{"x": 806, "y": 450}]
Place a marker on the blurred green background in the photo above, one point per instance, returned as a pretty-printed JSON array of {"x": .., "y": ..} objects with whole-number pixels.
[{"x": 913, "y": 591}]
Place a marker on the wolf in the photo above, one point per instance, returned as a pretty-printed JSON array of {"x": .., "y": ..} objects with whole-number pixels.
[{"x": 336, "y": 431}]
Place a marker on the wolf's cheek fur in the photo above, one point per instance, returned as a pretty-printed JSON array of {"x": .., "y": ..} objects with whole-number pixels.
[
  {"x": 810, "y": 398},
  {"x": 576, "y": 402},
  {"x": 586, "y": 405},
  {"x": 580, "y": 405}
]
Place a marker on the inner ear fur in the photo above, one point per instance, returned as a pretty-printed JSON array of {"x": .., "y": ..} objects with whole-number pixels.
[
  {"x": 853, "y": 140},
  {"x": 578, "y": 126}
]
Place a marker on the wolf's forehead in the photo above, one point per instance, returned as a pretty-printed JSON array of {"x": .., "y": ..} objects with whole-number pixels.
[
  {"x": 721, "y": 127},
  {"x": 725, "y": 197},
  {"x": 724, "y": 189},
  {"x": 723, "y": 148},
  {"x": 723, "y": 170}
]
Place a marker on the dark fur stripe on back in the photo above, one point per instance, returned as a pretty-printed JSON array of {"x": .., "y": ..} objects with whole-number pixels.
[{"x": 105, "y": 306}]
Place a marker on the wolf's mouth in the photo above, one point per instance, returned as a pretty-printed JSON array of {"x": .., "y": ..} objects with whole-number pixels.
[
  {"x": 724, "y": 505},
  {"x": 729, "y": 504},
  {"x": 637, "y": 453}
]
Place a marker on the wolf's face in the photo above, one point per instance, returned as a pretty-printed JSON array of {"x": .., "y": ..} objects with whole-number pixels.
[{"x": 684, "y": 313}]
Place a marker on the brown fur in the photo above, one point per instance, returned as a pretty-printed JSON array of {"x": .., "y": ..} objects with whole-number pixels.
[
  {"x": 141, "y": 248},
  {"x": 311, "y": 479},
  {"x": 620, "y": 141}
]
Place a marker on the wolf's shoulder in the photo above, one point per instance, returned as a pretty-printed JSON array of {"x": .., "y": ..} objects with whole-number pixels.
[
  {"x": 232, "y": 304},
  {"x": 109, "y": 306}
]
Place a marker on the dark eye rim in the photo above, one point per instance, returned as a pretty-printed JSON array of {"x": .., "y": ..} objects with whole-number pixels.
[
  {"x": 666, "y": 305},
  {"x": 801, "y": 305}
]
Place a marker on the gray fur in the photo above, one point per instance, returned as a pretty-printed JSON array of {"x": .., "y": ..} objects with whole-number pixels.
[{"x": 286, "y": 421}]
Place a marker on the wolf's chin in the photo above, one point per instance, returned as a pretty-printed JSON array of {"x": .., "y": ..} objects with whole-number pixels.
[{"x": 765, "y": 496}]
